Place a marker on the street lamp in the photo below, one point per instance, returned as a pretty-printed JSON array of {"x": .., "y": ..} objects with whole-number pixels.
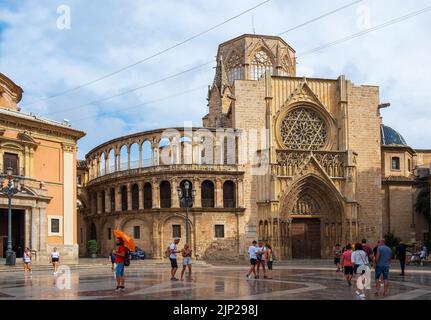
[
  {"x": 9, "y": 191},
  {"x": 186, "y": 200}
]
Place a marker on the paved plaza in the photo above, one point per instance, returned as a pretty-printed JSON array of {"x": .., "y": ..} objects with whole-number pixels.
[{"x": 152, "y": 281}]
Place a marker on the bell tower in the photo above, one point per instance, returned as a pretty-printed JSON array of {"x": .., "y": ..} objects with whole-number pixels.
[{"x": 247, "y": 57}]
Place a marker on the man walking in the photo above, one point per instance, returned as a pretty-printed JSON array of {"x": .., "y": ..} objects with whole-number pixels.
[
  {"x": 401, "y": 253},
  {"x": 252, "y": 251},
  {"x": 120, "y": 254},
  {"x": 382, "y": 262},
  {"x": 173, "y": 258}
]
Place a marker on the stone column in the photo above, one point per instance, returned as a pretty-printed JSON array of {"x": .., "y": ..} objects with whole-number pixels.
[
  {"x": 118, "y": 198},
  {"x": 140, "y": 155},
  {"x": 174, "y": 194},
  {"x": 99, "y": 202},
  {"x": 129, "y": 196},
  {"x": 219, "y": 193},
  {"x": 107, "y": 164},
  {"x": 27, "y": 233},
  {"x": 141, "y": 196},
  {"x": 197, "y": 187},
  {"x": 239, "y": 194},
  {"x": 43, "y": 222},
  {"x": 108, "y": 200},
  {"x": 34, "y": 229},
  {"x": 156, "y": 193},
  {"x": 128, "y": 158}
]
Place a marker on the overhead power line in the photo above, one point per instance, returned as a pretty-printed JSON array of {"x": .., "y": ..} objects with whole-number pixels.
[
  {"x": 132, "y": 89},
  {"x": 364, "y": 32},
  {"x": 149, "y": 57},
  {"x": 320, "y": 17},
  {"x": 142, "y": 104}
]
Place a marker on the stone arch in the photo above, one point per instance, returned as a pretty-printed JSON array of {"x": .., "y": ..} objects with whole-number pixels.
[
  {"x": 134, "y": 155},
  {"x": 165, "y": 230},
  {"x": 147, "y": 157},
  {"x": 261, "y": 60},
  {"x": 145, "y": 240},
  {"x": 310, "y": 203},
  {"x": 123, "y": 158}
]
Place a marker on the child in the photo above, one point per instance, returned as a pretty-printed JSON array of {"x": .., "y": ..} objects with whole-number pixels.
[{"x": 360, "y": 285}]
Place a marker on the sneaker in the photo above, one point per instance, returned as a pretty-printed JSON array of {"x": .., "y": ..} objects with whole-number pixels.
[
  {"x": 174, "y": 279},
  {"x": 362, "y": 295},
  {"x": 122, "y": 289},
  {"x": 117, "y": 289},
  {"x": 358, "y": 293},
  {"x": 248, "y": 276}
]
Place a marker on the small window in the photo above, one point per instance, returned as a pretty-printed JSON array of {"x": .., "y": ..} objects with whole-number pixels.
[
  {"x": 11, "y": 160},
  {"x": 176, "y": 231},
  {"x": 409, "y": 165},
  {"x": 219, "y": 231},
  {"x": 395, "y": 163},
  {"x": 109, "y": 234},
  {"x": 55, "y": 225},
  {"x": 78, "y": 179},
  {"x": 137, "y": 232}
]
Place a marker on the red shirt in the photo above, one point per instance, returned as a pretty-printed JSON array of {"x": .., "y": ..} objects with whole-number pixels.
[
  {"x": 119, "y": 259},
  {"x": 347, "y": 258}
]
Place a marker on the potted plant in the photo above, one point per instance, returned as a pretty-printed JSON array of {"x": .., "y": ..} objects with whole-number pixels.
[{"x": 92, "y": 248}]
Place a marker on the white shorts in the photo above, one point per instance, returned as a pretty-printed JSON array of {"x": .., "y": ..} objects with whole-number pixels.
[{"x": 187, "y": 261}]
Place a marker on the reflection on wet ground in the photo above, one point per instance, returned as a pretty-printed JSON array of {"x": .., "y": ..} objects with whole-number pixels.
[{"x": 207, "y": 283}]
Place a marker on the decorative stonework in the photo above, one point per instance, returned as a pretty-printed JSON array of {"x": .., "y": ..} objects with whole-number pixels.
[
  {"x": 306, "y": 205},
  {"x": 303, "y": 129}
]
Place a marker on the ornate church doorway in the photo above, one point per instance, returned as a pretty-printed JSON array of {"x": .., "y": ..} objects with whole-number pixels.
[{"x": 305, "y": 235}]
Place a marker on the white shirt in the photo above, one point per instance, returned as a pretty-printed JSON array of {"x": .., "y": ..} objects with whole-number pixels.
[
  {"x": 359, "y": 257},
  {"x": 252, "y": 252},
  {"x": 55, "y": 254},
  {"x": 173, "y": 255},
  {"x": 27, "y": 257}
]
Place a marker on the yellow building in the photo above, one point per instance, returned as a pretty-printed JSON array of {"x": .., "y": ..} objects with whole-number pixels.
[{"x": 43, "y": 153}]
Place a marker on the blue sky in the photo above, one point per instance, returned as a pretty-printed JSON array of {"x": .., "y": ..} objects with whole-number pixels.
[{"x": 110, "y": 34}]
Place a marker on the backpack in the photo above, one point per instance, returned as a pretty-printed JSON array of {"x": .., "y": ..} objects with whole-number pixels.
[
  {"x": 168, "y": 251},
  {"x": 126, "y": 257}
]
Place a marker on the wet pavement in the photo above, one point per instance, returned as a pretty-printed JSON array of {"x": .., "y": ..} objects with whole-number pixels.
[{"x": 213, "y": 282}]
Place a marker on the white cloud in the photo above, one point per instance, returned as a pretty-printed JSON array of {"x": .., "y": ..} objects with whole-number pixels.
[{"x": 108, "y": 35}]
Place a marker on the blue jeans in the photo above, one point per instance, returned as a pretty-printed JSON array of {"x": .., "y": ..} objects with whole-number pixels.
[{"x": 380, "y": 270}]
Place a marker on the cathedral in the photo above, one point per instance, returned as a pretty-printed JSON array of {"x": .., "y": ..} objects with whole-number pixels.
[{"x": 301, "y": 163}]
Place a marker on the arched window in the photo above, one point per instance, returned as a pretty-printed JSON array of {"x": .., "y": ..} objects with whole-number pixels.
[
  {"x": 165, "y": 194},
  {"x": 186, "y": 150},
  {"x": 102, "y": 164},
  {"x": 124, "y": 158},
  {"x": 146, "y": 154},
  {"x": 165, "y": 152},
  {"x": 134, "y": 156},
  {"x": 148, "y": 196},
  {"x": 112, "y": 161},
  {"x": 233, "y": 67},
  {"x": 124, "y": 198},
  {"x": 135, "y": 197},
  {"x": 395, "y": 163},
  {"x": 207, "y": 194},
  {"x": 183, "y": 188},
  {"x": 260, "y": 64},
  {"x": 229, "y": 194},
  {"x": 112, "y": 199},
  {"x": 103, "y": 201}
]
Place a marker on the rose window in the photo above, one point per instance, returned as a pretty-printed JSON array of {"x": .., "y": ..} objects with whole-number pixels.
[{"x": 303, "y": 129}]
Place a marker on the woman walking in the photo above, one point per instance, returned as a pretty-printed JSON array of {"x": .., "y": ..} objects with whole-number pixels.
[
  {"x": 359, "y": 257},
  {"x": 269, "y": 257},
  {"x": 187, "y": 261},
  {"x": 346, "y": 263},
  {"x": 55, "y": 259},
  {"x": 27, "y": 260}
]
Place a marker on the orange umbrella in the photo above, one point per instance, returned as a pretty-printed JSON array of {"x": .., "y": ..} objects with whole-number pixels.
[{"x": 128, "y": 241}]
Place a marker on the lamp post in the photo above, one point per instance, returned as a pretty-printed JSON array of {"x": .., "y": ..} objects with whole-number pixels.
[
  {"x": 9, "y": 191},
  {"x": 186, "y": 199}
]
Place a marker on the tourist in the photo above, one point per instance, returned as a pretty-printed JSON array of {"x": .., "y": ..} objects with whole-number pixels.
[
  {"x": 27, "y": 260},
  {"x": 120, "y": 254},
  {"x": 269, "y": 257},
  {"x": 173, "y": 258},
  {"x": 423, "y": 254},
  {"x": 401, "y": 253},
  {"x": 260, "y": 255},
  {"x": 337, "y": 256},
  {"x": 187, "y": 261},
  {"x": 346, "y": 263},
  {"x": 359, "y": 257},
  {"x": 360, "y": 285},
  {"x": 382, "y": 263},
  {"x": 368, "y": 250},
  {"x": 252, "y": 250},
  {"x": 55, "y": 259},
  {"x": 112, "y": 259}
]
